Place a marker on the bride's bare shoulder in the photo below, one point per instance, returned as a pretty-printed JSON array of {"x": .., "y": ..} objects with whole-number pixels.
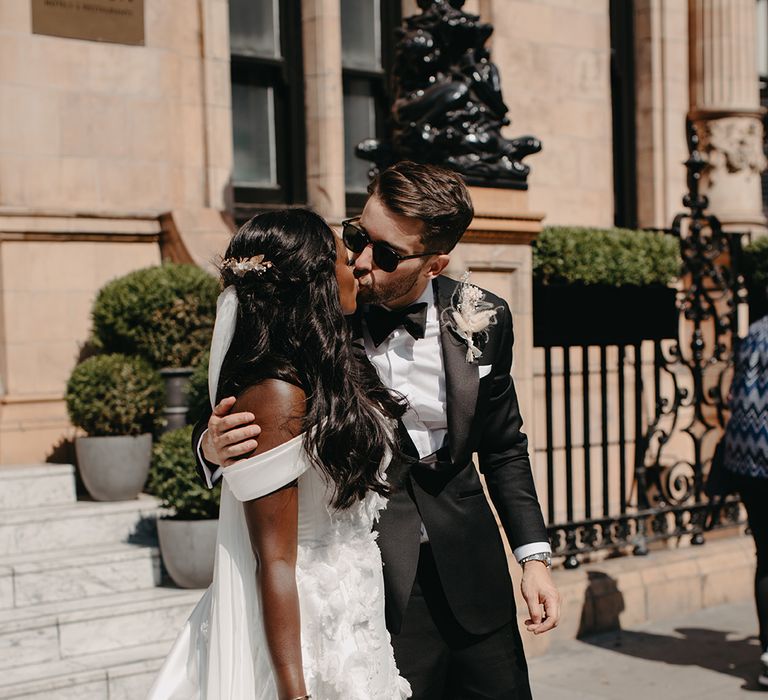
[{"x": 278, "y": 408}]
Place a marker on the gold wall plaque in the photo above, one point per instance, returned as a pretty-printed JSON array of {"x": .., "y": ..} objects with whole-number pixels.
[{"x": 118, "y": 21}]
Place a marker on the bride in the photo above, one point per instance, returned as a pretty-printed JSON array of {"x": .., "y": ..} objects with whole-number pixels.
[{"x": 296, "y": 607}]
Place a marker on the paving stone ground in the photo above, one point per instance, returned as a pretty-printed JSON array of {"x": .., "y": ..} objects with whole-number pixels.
[{"x": 708, "y": 655}]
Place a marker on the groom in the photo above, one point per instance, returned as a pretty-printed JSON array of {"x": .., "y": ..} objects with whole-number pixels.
[{"x": 449, "y": 598}]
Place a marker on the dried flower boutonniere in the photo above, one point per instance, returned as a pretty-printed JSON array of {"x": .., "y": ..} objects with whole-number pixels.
[{"x": 470, "y": 316}]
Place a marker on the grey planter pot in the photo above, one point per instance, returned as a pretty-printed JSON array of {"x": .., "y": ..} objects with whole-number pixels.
[
  {"x": 176, "y": 400},
  {"x": 114, "y": 468},
  {"x": 188, "y": 548}
]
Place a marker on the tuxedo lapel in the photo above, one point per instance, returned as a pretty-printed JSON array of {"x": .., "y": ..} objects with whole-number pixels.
[{"x": 462, "y": 379}]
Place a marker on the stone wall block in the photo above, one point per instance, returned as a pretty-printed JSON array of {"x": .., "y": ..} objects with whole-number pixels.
[
  {"x": 30, "y": 126},
  {"x": 218, "y": 87},
  {"x": 15, "y": 16},
  {"x": 154, "y": 132},
  {"x": 216, "y": 29},
  {"x": 191, "y": 80},
  {"x": 189, "y": 128},
  {"x": 219, "y": 135},
  {"x": 168, "y": 25}
]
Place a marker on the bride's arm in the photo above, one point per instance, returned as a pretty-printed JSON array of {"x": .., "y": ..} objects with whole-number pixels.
[{"x": 272, "y": 520}]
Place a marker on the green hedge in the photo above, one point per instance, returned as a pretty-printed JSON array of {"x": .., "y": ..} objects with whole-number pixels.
[
  {"x": 164, "y": 313},
  {"x": 755, "y": 265},
  {"x": 115, "y": 395},
  {"x": 615, "y": 257},
  {"x": 197, "y": 395},
  {"x": 174, "y": 480}
]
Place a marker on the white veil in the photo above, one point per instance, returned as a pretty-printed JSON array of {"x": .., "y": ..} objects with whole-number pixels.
[
  {"x": 227, "y": 306},
  {"x": 221, "y": 651}
]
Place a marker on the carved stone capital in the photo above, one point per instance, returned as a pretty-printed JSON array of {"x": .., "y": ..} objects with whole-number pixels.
[
  {"x": 732, "y": 150},
  {"x": 733, "y": 144}
]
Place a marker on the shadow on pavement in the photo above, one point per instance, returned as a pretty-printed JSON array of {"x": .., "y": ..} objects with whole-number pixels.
[
  {"x": 709, "y": 649},
  {"x": 690, "y": 646}
]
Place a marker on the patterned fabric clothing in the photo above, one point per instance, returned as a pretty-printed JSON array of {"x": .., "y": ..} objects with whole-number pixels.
[{"x": 746, "y": 435}]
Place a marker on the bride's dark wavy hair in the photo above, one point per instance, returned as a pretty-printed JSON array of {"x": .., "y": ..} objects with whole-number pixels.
[{"x": 291, "y": 326}]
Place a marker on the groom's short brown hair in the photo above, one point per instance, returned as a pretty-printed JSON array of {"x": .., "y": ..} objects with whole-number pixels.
[{"x": 437, "y": 196}]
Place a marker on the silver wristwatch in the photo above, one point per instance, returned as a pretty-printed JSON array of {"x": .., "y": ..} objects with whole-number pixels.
[{"x": 546, "y": 557}]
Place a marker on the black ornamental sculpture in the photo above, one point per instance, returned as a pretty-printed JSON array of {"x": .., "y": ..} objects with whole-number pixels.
[{"x": 448, "y": 109}]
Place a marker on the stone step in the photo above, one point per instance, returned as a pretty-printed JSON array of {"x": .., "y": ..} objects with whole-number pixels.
[
  {"x": 122, "y": 675},
  {"x": 76, "y": 573},
  {"x": 53, "y": 632},
  {"x": 84, "y": 523},
  {"x": 35, "y": 485}
]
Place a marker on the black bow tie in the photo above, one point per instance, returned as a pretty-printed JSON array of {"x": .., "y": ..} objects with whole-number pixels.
[{"x": 381, "y": 322}]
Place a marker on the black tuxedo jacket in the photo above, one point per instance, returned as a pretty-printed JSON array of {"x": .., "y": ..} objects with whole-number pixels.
[{"x": 483, "y": 419}]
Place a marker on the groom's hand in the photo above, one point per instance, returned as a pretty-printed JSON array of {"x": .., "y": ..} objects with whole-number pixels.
[
  {"x": 541, "y": 596},
  {"x": 229, "y": 437}
]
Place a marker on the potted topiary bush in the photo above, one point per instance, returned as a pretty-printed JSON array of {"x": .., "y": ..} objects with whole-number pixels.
[
  {"x": 117, "y": 400},
  {"x": 166, "y": 315},
  {"x": 603, "y": 286},
  {"x": 188, "y": 532}
]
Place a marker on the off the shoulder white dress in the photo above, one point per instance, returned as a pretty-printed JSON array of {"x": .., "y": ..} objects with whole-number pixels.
[{"x": 221, "y": 653}]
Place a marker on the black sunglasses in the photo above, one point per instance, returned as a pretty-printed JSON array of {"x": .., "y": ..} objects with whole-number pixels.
[{"x": 356, "y": 239}]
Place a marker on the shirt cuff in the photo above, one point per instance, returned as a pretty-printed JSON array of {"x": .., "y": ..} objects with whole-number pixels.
[
  {"x": 210, "y": 477},
  {"x": 526, "y": 550}
]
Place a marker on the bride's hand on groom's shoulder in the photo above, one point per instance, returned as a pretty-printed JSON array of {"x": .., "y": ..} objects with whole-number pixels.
[
  {"x": 229, "y": 436},
  {"x": 541, "y": 597}
]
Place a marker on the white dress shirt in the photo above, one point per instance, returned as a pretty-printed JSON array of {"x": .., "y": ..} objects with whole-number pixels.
[
  {"x": 210, "y": 477},
  {"x": 415, "y": 369}
]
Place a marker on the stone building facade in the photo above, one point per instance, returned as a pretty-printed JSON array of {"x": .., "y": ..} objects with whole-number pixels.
[{"x": 117, "y": 154}]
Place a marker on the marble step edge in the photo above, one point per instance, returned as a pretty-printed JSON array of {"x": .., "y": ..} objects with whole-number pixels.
[
  {"x": 35, "y": 471},
  {"x": 38, "y": 562},
  {"x": 94, "y": 608},
  {"x": 144, "y": 504},
  {"x": 51, "y": 676},
  {"x": 36, "y": 485}
]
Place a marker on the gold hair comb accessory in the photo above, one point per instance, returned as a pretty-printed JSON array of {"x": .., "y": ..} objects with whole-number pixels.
[{"x": 241, "y": 267}]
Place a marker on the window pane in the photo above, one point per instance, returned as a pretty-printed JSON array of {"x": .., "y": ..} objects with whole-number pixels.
[
  {"x": 254, "y": 27},
  {"x": 762, "y": 38},
  {"x": 359, "y": 124},
  {"x": 253, "y": 127},
  {"x": 361, "y": 34}
]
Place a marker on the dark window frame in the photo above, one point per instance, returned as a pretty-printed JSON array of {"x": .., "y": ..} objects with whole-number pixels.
[
  {"x": 390, "y": 17},
  {"x": 623, "y": 110},
  {"x": 285, "y": 76}
]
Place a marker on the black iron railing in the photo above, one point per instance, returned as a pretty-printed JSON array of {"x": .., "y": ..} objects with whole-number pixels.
[
  {"x": 596, "y": 396},
  {"x": 620, "y": 476}
]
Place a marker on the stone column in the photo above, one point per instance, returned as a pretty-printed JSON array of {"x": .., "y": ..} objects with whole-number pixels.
[
  {"x": 216, "y": 98},
  {"x": 725, "y": 107},
  {"x": 324, "y": 107}
]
